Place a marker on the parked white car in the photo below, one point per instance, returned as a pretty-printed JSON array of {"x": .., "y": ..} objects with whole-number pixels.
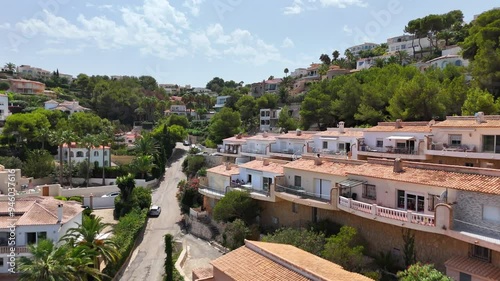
[
  {"x": 111, "y": 194},
  {"x": 154, "y": 211}
]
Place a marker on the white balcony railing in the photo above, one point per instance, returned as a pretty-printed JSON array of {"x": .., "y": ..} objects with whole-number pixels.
[{"x": 388, "y": 213}]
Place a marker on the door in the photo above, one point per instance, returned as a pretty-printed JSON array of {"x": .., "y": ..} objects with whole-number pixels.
[{"x": 322, "y": 188}]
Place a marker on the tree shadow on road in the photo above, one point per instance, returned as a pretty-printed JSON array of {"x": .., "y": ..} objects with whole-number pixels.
[{"x": 177, "y": 154}]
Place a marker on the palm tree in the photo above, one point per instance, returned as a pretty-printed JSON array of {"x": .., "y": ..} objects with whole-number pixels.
[
  {"x": 335, "y": 55},
  {"x": 57, "y": 138},
  {"x": 43, "y": 135},
  {"x": 69, "y": 138},
  {"x": 286, "y": 71},
  {"x": 89, "y": 141},
  {"x": 403, "y": 57},
  {"x": 10, "y": 66},
  {"x": 90, "y": 233},
  {"x": 104, "y": 139},
  {"x": 143, "y": 164},
  {"x": 146, "y": 145},
  {"x": 49, "y": 262}
]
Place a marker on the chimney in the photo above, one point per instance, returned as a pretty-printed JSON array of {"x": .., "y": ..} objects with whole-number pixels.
[
  {"x": 59, "y": 213},
  {"x": 265, "y": 162},
  {"x": 264, "y": 134},
  {"x": 398, "y": 124},
  {"x": 298, "y": 132},
  {"x": 398, "y": 166},
  {"x": 341, "y": 127},
  {"x": 317, "y": 160},
  {"x": 238, "y": 136},
  {"x": 228, "y": 166},
  {"x": 479, "y": 117}
]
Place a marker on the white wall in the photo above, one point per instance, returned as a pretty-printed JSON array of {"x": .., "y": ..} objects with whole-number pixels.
[
  {"x": 370, "y": 139},
  {"x": 100, "y": 202},
  {"x": 469, "y": 136}
]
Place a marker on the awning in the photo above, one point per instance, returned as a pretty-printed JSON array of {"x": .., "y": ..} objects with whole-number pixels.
[
  {"x": 350, "y": 183},
  {"x": 401, "y": 138},
  {"x": 328, "y": 138}
]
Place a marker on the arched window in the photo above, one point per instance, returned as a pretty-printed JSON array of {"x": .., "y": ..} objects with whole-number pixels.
[
  {"x": 96, "y": 153},
  {"x": 72, "y": 154},
  {"x": 458, "y": 63},
  {"x": 87, "y": 153},
  {"x": 79, "y": 154},
  {"x": 96, "y": 164},
  {"x": 105, "y": 163},
  {"x": 105, "y": 153}
]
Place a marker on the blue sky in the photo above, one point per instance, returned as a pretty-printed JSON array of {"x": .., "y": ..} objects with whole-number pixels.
[{"x": 192, "y": 41}]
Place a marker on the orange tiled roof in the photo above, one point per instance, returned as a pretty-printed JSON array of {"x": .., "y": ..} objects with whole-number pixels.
[
  {"x": 258, "y": 261},
  {"x": 222, "y": 170},
  {"x": 39, "y": 210},
  {"x": 462, "y": 181},
  {"x": 269, "y": 137},
  {"x": 347, "y": 133},
  {"x": 293, "y": 135},
  {"x": 327, "y": 167},
  {"x": 242, "y": 139},
  {"x": 490, "y": 121},
  {"x": 474, "y": 267},
  {"x": 417, "y": 127},
  {"x": 273, "y": 167}
]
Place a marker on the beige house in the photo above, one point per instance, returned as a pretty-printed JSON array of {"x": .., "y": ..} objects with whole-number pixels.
[{"x": 9, "y": 178}]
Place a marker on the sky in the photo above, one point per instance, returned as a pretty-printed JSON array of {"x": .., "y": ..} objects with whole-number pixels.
[{"x": 191, "y": 41}]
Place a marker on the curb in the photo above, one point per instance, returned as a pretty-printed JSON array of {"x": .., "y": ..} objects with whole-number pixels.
[{"x": 179, "y": 264}]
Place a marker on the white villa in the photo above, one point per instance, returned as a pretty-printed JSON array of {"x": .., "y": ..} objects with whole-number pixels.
[
  {"x": 4, "y": 107},
  {"x": 80, "y": 154},
  {"x": 69, "y": 107}
]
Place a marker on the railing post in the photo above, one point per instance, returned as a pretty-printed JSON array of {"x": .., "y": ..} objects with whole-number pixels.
[
  {"x": 409, "y": 215},
  {"x": 374, "y": 209},
  {"x": 349, "y": 199}
]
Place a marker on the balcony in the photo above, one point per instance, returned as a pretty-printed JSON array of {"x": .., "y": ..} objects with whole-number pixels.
[
  {"x": 283, "y": 151},
  {"x": 259, "y": 194},
  {"x": 299, "y": 195},
  {"x": 461, "y": 151},
  {"x": 311, "y": 151},
  {"x": 391, "y": 152},
  {"x": 212, "y": 192},
  {"x": 19, "y": 249},
  {"x": 253, "y": 151},
  {"x": 398, "y": 217},
  {"x": 229, "y": 150}
]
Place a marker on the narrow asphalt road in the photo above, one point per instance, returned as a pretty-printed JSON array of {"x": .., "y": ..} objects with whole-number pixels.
[{"x": 148, "y": 258}]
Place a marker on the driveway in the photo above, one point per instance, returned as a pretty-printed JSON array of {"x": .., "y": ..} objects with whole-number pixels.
[{"x": 147, "y": 262}]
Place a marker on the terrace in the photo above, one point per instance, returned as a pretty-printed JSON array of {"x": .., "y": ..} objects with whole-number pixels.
[{"x": 302, "y": 196}]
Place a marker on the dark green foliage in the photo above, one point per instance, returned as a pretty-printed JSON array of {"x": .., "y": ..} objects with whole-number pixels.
[
  {"x": 409, "y": 251},
  {"x": 192, "y": 164},
  {"x": 188, "y": 195},
  {"x": 419, "y": 272},
  {"x": 307, "y": 240},
  {"x": 344, "y": 250},
  {"x": 236, "y": 205},
  {"x": 169, "y": 264},
  {"x": 39, "y": 164},
  {"x": 224, "y": 124},
  {"x": 4, "y": 86},
  {"x": 76, "y": 198},
  {"x": 62, "y": 198},
  {"x": 325, "y": 226},
  {"x": 175, "y": 119},
  {"x": 11, "y": 162},
  {"x": 387, "y": 262},
  {"x": 235, "y": 234}
]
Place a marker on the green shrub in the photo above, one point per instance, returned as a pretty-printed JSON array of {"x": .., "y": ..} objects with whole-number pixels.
[
  {"x": 62, "y": 198},
  {"x": 76, "y": 198},
  {"x": 192, "y": 164},
  {"x": 373, "y": 275},
  {"x": 235, "y": 234},
  {"x": 210, "y": 144},
  {"x": 418, "y": 271},
  {"x": 307, "y": 240}
]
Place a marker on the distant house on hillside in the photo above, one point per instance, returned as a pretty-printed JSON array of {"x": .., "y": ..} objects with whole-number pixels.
[{"x": 69, "y": 107}]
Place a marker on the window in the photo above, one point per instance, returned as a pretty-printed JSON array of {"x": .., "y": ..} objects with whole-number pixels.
[
  {"x": 96, "y": 153},
  {"x": 469, "y": 164},
  {"x": 325, "y": 145},
  {"x": 491, "y": 144},
  {"x": 105, "y": 153},
  {"x": 410, "y": 202},
  {"x": 369, "y": 191},
  {"x": 433, "y": 201},
  {"x": 295, "y": 208},
  {"x": 455, "y": 140},
  {"x": 380, "y": 142},
  {"x": 401, "y": 145},
  {"x": 105, "y": 163},
  {"x": 297, "y": 181},
  {"x": 1, "y": 262},
  {"x": 458, "y": 63},
  {"x": 491, "y": 213},
  {"x": 481, "y": 253},
  {"x": 464, "y": 277},
  {"x": 79, "y": 154},
  {"x": 341, "y": 146},
  {"x": 267, "y": 182},
  {"x": 35, "y": 237}
]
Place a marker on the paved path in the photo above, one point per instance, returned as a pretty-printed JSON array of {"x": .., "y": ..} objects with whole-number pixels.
[{"x": 147, "y": 262}]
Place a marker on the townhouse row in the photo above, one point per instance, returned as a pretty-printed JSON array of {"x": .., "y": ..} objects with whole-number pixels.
[
  {"x": 472, "y": 141},
  {"x": 453, "y": 211}
]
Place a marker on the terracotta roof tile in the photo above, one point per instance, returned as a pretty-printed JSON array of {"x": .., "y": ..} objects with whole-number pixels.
[
  {"x": 293, "y": 135},
  {"x": 203, "y": 273},
  {"x": 272, "y": 167},
  {"x": 222, "y": 170},
  {"x": 461, "y": 181},
  {"x": 490, "y": 121},
  {"x": 347, "y": 133},
  {"x": 236, "y": 139},
  {"x": 38, "y": 210},
  {"x": 259, "y": 137},
  {"x": 276, "y": 262},
  {"x": 327, "y": 167},
  {"x": 417, "y": 127},
  {"x": 474, "y": 267}
]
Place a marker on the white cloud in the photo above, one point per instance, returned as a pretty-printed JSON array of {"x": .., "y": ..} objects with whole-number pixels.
[
  {"x": 5, "y": 25},
  {"x": 295, "y": 8},
  {"x": 347, "y": 29},
  {"x": 89, "y": 5},
  {"x": 193, "y": 6},
  {"x": 56, "y": 51},
  {"x": 287, "y": 43},
  {"x": 299, "y": 6}
]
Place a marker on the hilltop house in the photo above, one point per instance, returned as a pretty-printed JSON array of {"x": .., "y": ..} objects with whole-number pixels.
[{"x": 69, "y": 107}]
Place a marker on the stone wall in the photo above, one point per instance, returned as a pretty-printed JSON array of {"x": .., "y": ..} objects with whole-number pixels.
[
  {"x": 431, "y": 248},
  {"x": 469, "y": 209}
]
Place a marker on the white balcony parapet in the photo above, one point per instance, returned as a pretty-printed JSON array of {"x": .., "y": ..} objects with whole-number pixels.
[{"x": 388, "y": 213}]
